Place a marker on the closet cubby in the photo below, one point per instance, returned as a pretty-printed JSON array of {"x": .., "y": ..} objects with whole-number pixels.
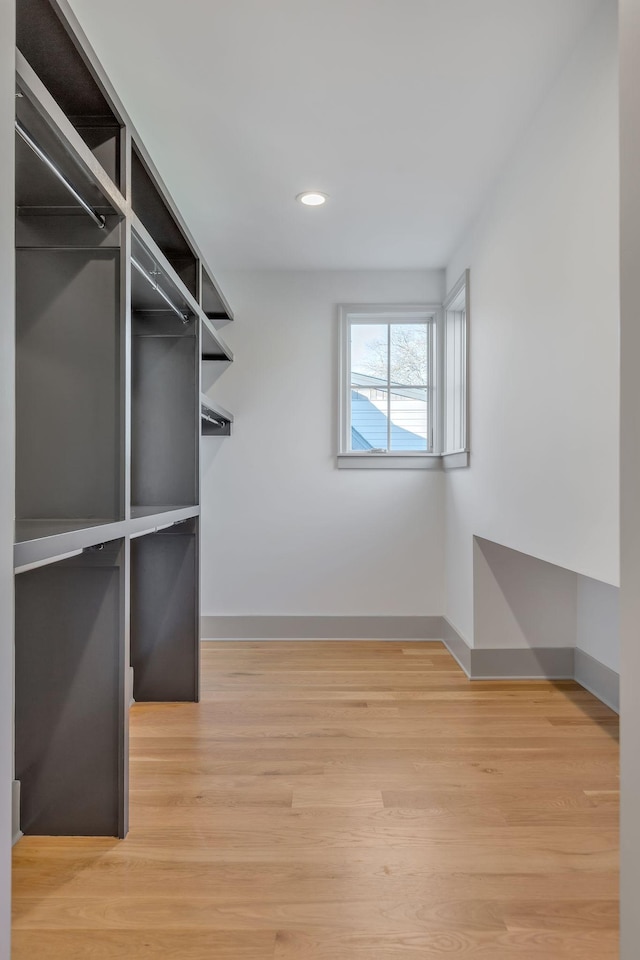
[
  {"x": 164, "y": 410},
  {"x": 165, "y": 613},
  {"x": 153, "y": 289},
  {"x": 156, "y": 216},
  {"x": 44, "y": 162},
  {"x": 212, "y": 345},
  {"x": 165, "y": 384},
  {"x": 214, "y": 306},
  {"x": 48, "y": 45},
  {"x": 68, "y": 365},
  {"x": 68, "y": 385},
  {"x": 70, "y": 721}
]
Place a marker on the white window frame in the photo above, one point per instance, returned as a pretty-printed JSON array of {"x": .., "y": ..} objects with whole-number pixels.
[
  {"x": 350, "y": 314},
  {"x": 455, "y": 377}
]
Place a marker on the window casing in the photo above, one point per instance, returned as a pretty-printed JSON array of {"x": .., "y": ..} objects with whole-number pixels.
[
  {"x": 389, "y": 373},
  {"x": 403, "y": 383},
  {"x": 455, "y": 401}
]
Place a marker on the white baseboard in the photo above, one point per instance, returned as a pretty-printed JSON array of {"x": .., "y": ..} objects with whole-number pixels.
[
  {"x": 598, "y": 679},
  {"x": 320, "y": 628}
]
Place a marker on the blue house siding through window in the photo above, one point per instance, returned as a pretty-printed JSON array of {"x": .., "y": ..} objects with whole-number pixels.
[{"x": 369, "y": 428}]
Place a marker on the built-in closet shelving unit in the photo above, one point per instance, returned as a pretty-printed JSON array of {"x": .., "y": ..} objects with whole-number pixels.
[{"x": 115, "y": 314}]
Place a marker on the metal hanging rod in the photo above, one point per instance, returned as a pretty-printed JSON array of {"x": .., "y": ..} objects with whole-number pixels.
[
  {"x": 165, "y": 296},
  {"x": 97, "y": 218},
  {"x": 210, "y": 419}
]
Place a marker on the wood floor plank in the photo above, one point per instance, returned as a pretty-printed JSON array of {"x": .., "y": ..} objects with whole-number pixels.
[
  {"x": 326, "y": 944},
  {"x": 400, "y": 917},
  {"x": 387, "y": 877},
  {"x": 333, "y": 797},
  {"x": 155, "y": 943},
  {"x": 345, "y": 801}
]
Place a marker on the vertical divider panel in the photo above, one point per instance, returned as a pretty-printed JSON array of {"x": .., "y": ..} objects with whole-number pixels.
[
  {"x": 125, "y": 344},
  {"x": 198, "y": 429},
  {"x": 126, "y": 363},
  {"x": 124, "y": 699}
]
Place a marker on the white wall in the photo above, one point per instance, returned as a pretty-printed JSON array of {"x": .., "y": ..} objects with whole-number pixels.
[
  {"x": 284, "y": 531},
  {"x": 7, "y": 113},
  {"x": 544, "y": 339}
]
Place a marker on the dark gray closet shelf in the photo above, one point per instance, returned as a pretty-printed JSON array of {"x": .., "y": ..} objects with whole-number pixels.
[
  {"x": 150, "y": 520},
  {"x": 163, "y": 514},
  {"x": 143, "y": 236},
  {"x": 45, "y": 541},
  {"x": 216, "y": 421},
  {"x": 65, "y": 132},
  {"x": 213, "y": 346},
  {"x": 145, "y": 518},
  {"x": 27, "y": 530},
  {"x": 153, "y": 290},
  {"x": 214, "y": 302}
]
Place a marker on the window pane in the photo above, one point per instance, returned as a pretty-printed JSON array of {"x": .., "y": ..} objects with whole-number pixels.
[
  {"x": 409, "y": 419},
  {"x": 389, "y": 416},
  {"x": 409, "y": 353},
  {"x": 369, "y": 421},
  {"x": 369, "y": 353},
  {"x": 370, "y": 428}
]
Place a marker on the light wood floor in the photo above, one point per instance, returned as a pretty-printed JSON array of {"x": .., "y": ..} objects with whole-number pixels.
[{"x": 345, "y": 801}]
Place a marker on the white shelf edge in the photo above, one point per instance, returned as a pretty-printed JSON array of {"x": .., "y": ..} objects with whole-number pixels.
[
  {"x": 216, "y": 408},
  {"x": 147, "y": 241},
  {"x": 42, "y": 563},
  {"x": 223, "y": 300},
  {"x": 228, "y": 358}
]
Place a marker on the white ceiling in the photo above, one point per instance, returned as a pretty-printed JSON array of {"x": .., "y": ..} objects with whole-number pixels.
[{"x": 403, "y": 111}]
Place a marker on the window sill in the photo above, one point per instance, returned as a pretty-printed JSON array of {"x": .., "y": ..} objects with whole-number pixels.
[
  {"x": 454, "y": 461},
  {"x": 400, "y": 461}
]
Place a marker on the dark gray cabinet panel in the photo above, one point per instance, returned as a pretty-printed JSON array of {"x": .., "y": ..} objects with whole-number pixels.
[
  {"x": 70, "y": 724},
  {"x": 165, "y": 631},
  {"x": 165, "y": 414},
  {"x": 68, "y": 384}
]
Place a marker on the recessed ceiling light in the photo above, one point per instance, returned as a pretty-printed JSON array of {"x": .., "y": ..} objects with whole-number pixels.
[{"x": 311, "y": 198}]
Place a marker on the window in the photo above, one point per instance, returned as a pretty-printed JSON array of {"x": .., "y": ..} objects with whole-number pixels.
[
  {"x": 389, "y": 401},
  {"x": 403, "y": 384}
]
